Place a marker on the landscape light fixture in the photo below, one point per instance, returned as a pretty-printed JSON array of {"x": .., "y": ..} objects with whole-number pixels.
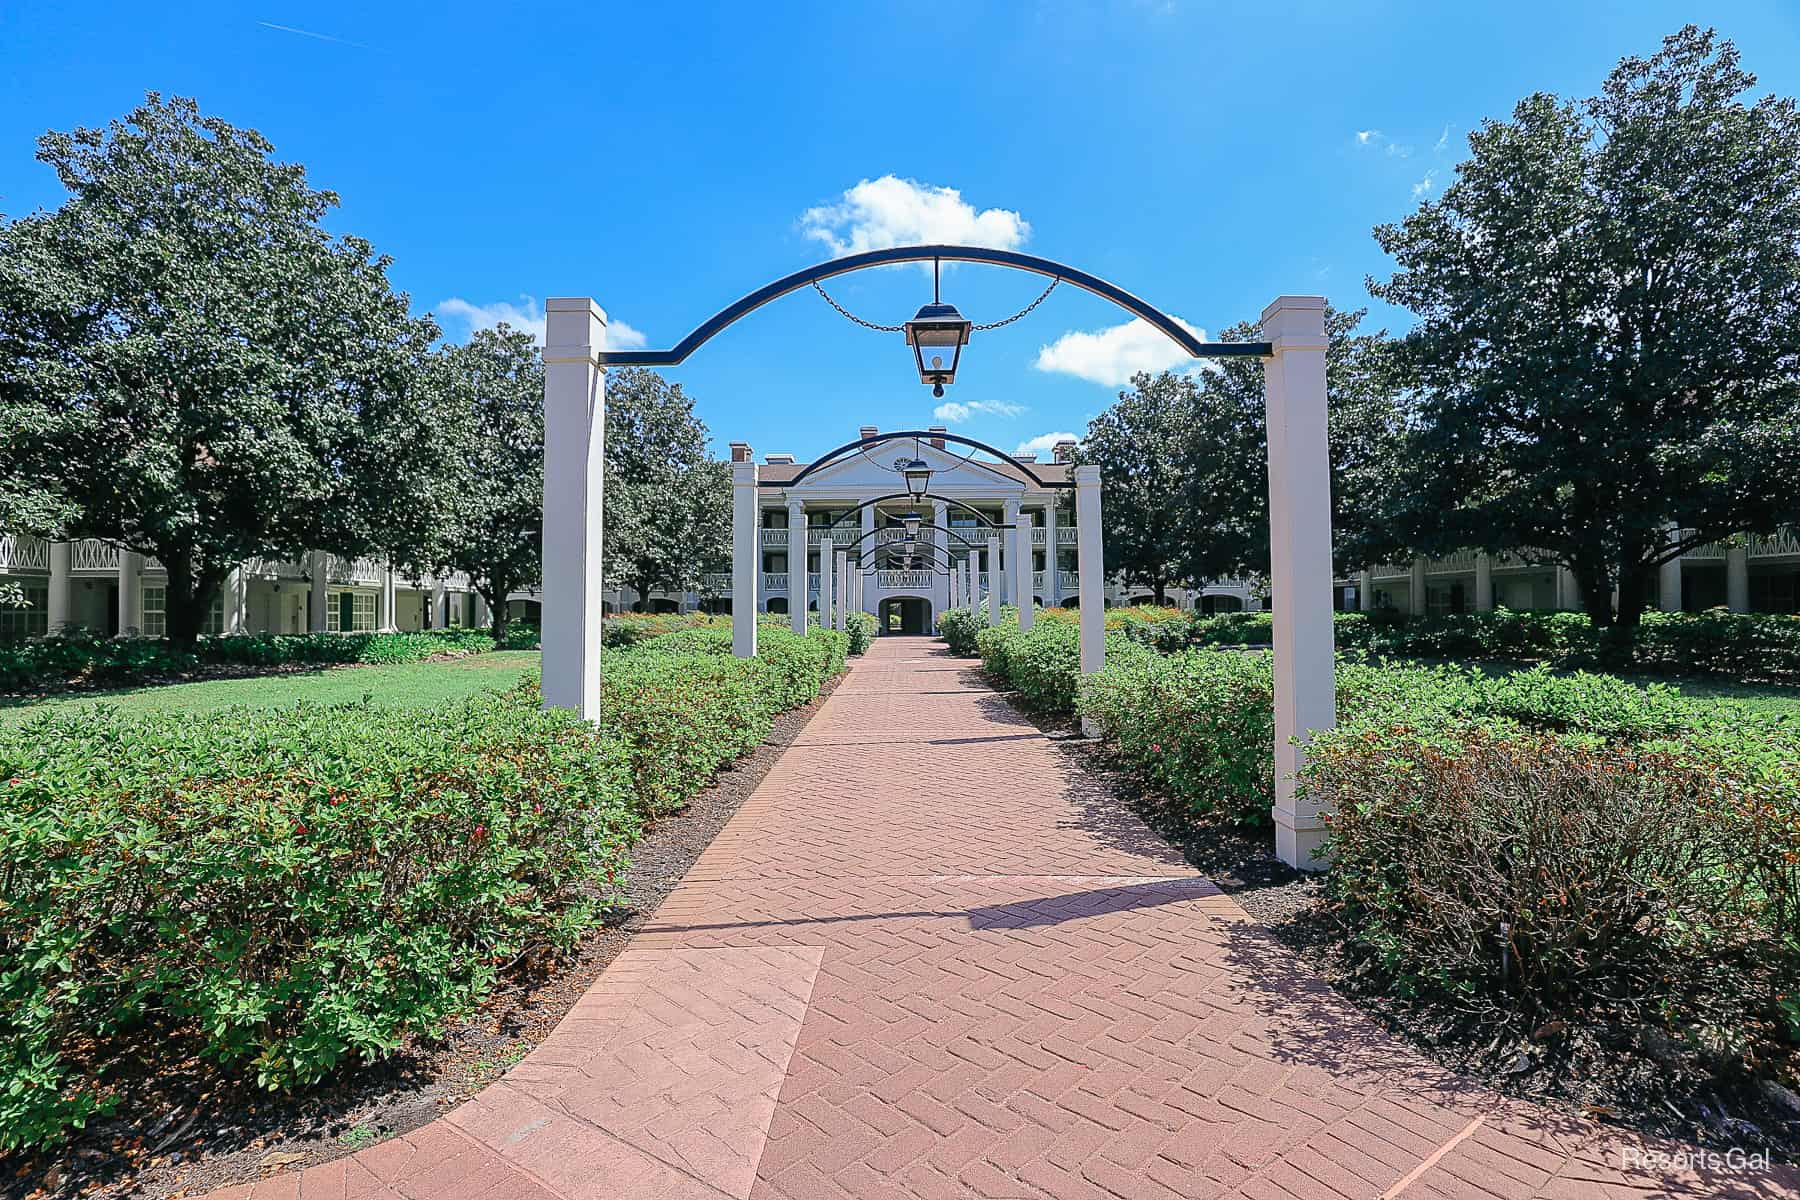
[
  {"x": 937, "y": 334},
  {"x": 917, "y": 474}
]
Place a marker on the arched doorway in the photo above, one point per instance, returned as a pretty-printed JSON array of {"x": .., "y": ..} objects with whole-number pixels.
[{"x": 905, "y": 616}]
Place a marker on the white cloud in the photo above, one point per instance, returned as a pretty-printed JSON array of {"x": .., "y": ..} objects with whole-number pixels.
[
  {"x": 890, "y": 211},
  {"x": 1424, "y": 185},
  {"x": 957, "y": 411},
  {"x": 1368, "y": 137},
  {"x": 1113, "y": 355},
  {"x": 1443, "y": 141},
  {"x": 528, "y": 317},
  {"x": 1043, "y": 443}
]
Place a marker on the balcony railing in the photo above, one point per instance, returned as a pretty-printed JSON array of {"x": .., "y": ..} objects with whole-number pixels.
[
  {"x": 895, "y": 533},
  {"x": 716, "y": 583},
  {"x": 21, "y": 553},
  {"x": 1065, "y": 535},
  {"x": 842, "y": 537},
  {"x": 774, "y": 537},
  {"x": 903, "y": 579},
  {"x": 1785, "y": 542},
  {"x": 90, "y": 555},
  {"x": 1068, "y": 580},
  {"x": 774, "y": 581}
]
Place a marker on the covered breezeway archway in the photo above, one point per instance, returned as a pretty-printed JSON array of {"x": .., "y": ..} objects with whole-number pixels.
[
  {"x": 575, "y": 359},
  {"x": 905, "y": 616}
]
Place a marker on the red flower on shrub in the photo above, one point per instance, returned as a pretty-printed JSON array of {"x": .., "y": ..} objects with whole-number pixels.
[
  {"x": 480, "y": 832},
  {"x": 1156, "y": 747},
  {"x": 299, "y": 829}
]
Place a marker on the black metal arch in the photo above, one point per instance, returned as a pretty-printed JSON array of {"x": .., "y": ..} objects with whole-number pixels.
[
  {"x": 861, "y": 444},
  {"x": 908, "y": 496},
  {"x": 904, "y": 254}
]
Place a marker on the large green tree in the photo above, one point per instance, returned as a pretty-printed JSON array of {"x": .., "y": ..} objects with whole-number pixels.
[
  {"x": 668, "y": 505},
  {"x": 487, "y": 518},
  {"x": 1608, "y": 336},
  {"x": 1225, "y": 495},
  {"x": 189, "y": 361},
  {"x": 1139, "y": 444}
]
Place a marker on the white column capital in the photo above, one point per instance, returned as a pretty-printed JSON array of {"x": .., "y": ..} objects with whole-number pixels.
[
  {"x": 574, "y": 330},
  {"x": 1087, "y": 475},
  {"x": 1295, "y": 323}
]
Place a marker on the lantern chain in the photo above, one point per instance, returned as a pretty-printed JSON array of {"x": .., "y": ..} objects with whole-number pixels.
[
  {"x": 1026, "y": 311},
  {"x": 856, "y": 320}
]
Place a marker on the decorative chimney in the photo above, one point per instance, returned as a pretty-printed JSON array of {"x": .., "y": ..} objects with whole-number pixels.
[
  {"x": 779, "y": 459},
  {"x": 867, "y": 432},
  {"x": 938, "y": 442},
  {"x": 740, "y": 452},
  {"x": 1064, "y": 451}
]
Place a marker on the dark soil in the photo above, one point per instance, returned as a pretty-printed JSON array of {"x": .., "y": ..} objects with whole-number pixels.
[
  {"x": 191, "y": 1127},
  {"x": 1628, "y": 1077}
]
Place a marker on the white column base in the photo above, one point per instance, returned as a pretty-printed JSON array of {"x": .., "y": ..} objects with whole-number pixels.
[{"x": 1298, "y": 841}]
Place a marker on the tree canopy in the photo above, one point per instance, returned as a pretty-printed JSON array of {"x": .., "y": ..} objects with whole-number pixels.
[
  {"x": 1608, "y": 336},
  {"x": 189, "y": 360}
]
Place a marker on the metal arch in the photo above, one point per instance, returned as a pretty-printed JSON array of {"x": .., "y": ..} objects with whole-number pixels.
[
  {"x": 909, "y": 496},
  {"x": 861, "y": 444},
  {"x": 904, "y": 254}
]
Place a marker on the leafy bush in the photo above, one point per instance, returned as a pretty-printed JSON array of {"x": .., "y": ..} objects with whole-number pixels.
[
  {"x": 281, "y": 890},
  {"x": 88, "y": 659},
  {"x": 628, "y": 629},
  {"x": 960, "y": 627},
  {"x": 1044, "y": 662},
  {"x": 863, "y": 628},
  {"x": 1526, "y": 877}
]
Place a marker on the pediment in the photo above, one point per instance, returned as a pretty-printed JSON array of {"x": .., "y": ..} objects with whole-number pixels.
[{"x": 871, "y": 472}]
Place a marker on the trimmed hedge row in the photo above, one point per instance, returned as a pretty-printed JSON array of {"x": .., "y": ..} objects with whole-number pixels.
[
  {"x": 1739, "y": 645},
  {"x": 282, "y": 891},
  {"x": 71, "y": 660}
]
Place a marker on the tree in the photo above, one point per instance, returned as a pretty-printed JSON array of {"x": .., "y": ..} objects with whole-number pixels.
[
  {"x": 488, "y": 400},
  {"x": 1608, "y": 337},
  {"x": 668, "y": 506},
  {"x": 1225, "y": 448},
  {"x": 1139, "y": 445},
  {"x": 189, "y": 362}
]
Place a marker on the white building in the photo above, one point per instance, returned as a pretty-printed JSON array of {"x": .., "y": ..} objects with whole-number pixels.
[
  {"x": 99, "y": 588},
  {"x": 908, "y": 593}
]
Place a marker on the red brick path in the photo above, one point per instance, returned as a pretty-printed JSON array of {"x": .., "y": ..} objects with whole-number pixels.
[{"x": 927, "y": 958}]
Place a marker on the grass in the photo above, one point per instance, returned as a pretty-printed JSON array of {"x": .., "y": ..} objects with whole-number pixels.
[
  {"x": 1764, "y": 698},
  {"x": 407, "y": 685}
]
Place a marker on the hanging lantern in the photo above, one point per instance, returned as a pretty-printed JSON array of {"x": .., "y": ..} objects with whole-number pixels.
[
  {"x": 937, "y": 335},
  {"x": 917, "y": 474}
]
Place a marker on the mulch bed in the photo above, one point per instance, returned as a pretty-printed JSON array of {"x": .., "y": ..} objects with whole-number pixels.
[
  {"x": 1632, "y": 1079},
  {"x": 195, "y": 1128}
]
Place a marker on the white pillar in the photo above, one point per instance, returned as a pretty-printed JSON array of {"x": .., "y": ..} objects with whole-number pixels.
[
  {"x": 996, "y": 580},
  {"x": 440, "y": 605},
  {"x": 843, "y": 588},
  {"x": 236, "y": 601},
  {"x": 940, "y": 584},
  {"x": 1415, "y": 593},
  {"x": 319, "y": 594},
  {"x": 955, "y": 585},
  {"x": 131, "y": 593},
  {"x": 1365, "y": 590},
  {"x": 827, "y": 615},
  {"x": 574, "y": 479},
  {"x": 1568, "y": 592},
  {"x": 1052, "y": 577},
  {"x": 1021, "y": 562},
  {"x": 1090, "y": 569},
  {"x": 746, "y": 558},
  {"x": 1668, "y": 581},
  {"x": 968, "y": 578},
  {"x": 479, "y": 610},
  {"x": 390, "y": 622},
  {"x": 1300, "y": 559},
  {"x": 1737, "y": 578},
  {"x": 799, "y": 585},
  {"x": 1484, "y": 582},
  {"x": 60, "y": 611}
]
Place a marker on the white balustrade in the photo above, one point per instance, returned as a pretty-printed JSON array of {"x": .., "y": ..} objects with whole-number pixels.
[
  {"x": 90, "y": 555},
  {"x": 19, "y": 552},
  {"x": 903, "y": 579},
  {"x": 716, "y": 583},
  {"x": 774, "y": 537},
  {"x": 775, "y": 581}
]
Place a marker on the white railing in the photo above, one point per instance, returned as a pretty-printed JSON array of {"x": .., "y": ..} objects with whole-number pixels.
[
  {"x": 90, "y": 555},
  {"x": 1070, "y": 580},
  {"x": 774, "y": 537},
  {"x": 903, "y": 579},
  {"x": 1065, "y": 535},
  {"x": 281, "y": 568},
  {"x": 774, "y": 581},
  {"x": 19, "y": 552},
  {"x": 716, "y": 583},
  {"x": 842, "y": 537},
  {"x": 1390, "y": 570},
  {"x": 1461, "y": 560},
  {"x": 897, "y": 533},
  {"x": 1785, "y": 542}
]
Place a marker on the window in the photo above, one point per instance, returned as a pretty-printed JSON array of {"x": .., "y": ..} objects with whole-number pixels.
[
  {"x": 350, "y": 612},
  {"x": 31, "y": 621},
  {"x": 156, "y": 612},
  {"x": 214, "y": 624}
]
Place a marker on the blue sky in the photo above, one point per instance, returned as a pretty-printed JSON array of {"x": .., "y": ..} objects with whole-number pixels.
[{"x": 668, "y": 158}]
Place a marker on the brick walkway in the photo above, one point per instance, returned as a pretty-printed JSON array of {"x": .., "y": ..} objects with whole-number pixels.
[{"x": 928, "y": 959}]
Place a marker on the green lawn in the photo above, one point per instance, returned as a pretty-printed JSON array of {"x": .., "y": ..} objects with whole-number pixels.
[
  {"x": 406, "y": 685},
  {"x": 1758, "y": 697}
]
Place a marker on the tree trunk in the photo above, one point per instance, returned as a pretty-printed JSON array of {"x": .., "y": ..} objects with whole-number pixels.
[
  {"x": 1159, "y": 592},
  {"x": 498, "y": 618},
  {"x": 186, "y": 597}
]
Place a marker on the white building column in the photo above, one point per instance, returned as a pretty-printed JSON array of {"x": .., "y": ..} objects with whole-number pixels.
[
  {"x": 319, "y": 594},
  {"x": 440, "y": 605},
  {"x": 799, "y": 580},
  {"x": 60, "y": 611},
  {"x": 956, "y": 586},
  {"x": 1415, "y": 592},
  {"x": 131, "y": 593},
  {"x": 1365, "y": 590},
  {"x": 1052, "y": 577},
  {"x": 1568, "y": 592},
  {"x": 940, "y": 584},
  {"x": 1668, "y": 578},
  {"x": 1484, "y": 582},
  {"x": 1090, "y": 569},
  {"x": 843, "y": 587},
  {"x": 574, "y": 479},
  {"x": 996, "y": 580},
  {"x": 1737, "y": 578},
  {"x": 1020, "y": 557},
  {"x": 1300, "y": 560},
  {"x": 478, "y": 610},
  {"x": 390, "y": 621},
  {"x": 827, "y": 601},
  {"x": 746, "y": 558},
  {"x": 235, "y": 601}
]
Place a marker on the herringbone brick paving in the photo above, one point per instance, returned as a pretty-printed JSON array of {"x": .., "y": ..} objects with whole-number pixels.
[{"x": 928, "y": 958}]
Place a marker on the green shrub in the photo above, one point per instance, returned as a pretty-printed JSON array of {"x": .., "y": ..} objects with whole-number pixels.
[
  {"x": 281, "y": 890},
  {"x": 1527, "y": 877},
  {"x": 1044, "y": 662},
  {"x": 960, "y": 627},
  {"x": 863, "y": 628}
]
